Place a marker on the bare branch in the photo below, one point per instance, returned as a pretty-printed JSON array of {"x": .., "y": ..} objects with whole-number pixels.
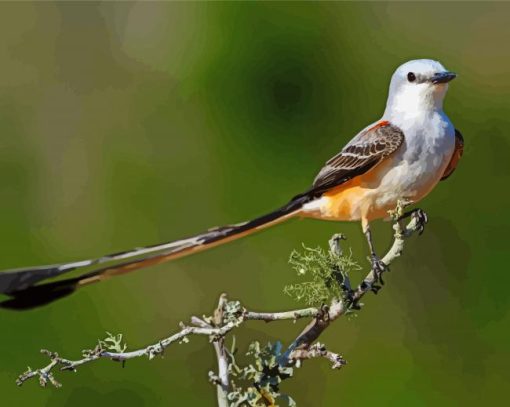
[
  {"x": 216, "y": 329},
  {"x": 230, "y": 314},
  {"x": 222, "y": 385},
  {"x": 98, "y": 352},
  {"x": 281, "y": 316},
  {"x": 318, "y": 350}
]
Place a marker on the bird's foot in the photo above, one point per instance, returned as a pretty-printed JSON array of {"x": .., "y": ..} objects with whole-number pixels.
[
  {"x": 378, "y": 267},
  {"x": 419, "y": 216},
  {"x": 421, "y": 219},
  {"x": 348, "y": 296}
]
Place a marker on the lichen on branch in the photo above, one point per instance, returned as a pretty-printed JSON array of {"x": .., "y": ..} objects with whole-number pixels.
[{"x": 327, "y": 273}]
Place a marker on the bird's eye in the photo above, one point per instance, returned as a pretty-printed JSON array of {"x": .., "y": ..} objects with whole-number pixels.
[{"x": 411, "y": 77}]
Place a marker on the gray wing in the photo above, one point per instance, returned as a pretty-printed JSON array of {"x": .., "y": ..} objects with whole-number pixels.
[{"x": 362, "y": 153}]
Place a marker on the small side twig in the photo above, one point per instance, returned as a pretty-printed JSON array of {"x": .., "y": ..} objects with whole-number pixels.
[
  {"x": 318, "y": 350},
  {"x": 45, "y": 374}
]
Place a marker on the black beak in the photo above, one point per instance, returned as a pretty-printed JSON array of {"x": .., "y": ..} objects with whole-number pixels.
[{"x": 443, "y": 77}]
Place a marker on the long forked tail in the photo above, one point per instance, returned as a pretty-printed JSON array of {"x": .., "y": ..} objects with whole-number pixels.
[{"x": 25, "y": 292}]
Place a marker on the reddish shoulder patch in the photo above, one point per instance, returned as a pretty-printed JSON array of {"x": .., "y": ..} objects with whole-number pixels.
[{"x": 379, "y": 124}]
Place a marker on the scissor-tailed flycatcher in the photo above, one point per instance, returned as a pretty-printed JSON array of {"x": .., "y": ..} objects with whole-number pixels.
[{"x": 401, "y": 156}]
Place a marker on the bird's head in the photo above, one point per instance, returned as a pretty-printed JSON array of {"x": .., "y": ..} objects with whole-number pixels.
[{"x": 418, "y": 87}]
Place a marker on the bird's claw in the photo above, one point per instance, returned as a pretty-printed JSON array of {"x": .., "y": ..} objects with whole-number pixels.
[
  {"x": 421, "y": 219},
  {"x": 419, "y": 216},
  {"x": 348, "y": 297},
  {"x": 378, "y": 267}
]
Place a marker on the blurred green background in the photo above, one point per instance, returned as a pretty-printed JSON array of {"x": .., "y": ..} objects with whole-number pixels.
[{"x": 123, "y": 124}]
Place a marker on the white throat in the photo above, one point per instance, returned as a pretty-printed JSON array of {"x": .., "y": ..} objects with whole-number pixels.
[{"x": 413, "y": 102}]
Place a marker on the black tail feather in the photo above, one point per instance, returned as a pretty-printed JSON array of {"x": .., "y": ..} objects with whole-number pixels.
[
  {"x": 21, "y": 284},
  {"x": 40, "y": 295}
]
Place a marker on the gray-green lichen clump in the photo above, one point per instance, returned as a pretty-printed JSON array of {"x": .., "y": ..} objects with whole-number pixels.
[{"x": 326, "y": 273}]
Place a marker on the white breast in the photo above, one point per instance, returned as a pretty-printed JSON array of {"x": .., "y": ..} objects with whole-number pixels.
[{"x": 420, "y": 163}]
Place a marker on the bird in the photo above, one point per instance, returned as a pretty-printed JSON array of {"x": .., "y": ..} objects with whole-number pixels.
[{"x": 401, "y": 156}]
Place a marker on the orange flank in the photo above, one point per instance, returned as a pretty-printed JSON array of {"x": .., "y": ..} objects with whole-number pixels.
[
  {"x": 345, "y": 199},
  {"x": 353, "y": 199}
]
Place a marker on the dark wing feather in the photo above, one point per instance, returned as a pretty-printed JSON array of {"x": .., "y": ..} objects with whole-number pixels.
[
  {"x": 457, "y": 154},
  {"x": 362, "y": 153}
]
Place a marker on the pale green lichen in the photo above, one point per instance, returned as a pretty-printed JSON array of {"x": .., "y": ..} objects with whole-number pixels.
[
  {"x": 326, "y": 272},
  {"x": 113, "y": 343}
]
